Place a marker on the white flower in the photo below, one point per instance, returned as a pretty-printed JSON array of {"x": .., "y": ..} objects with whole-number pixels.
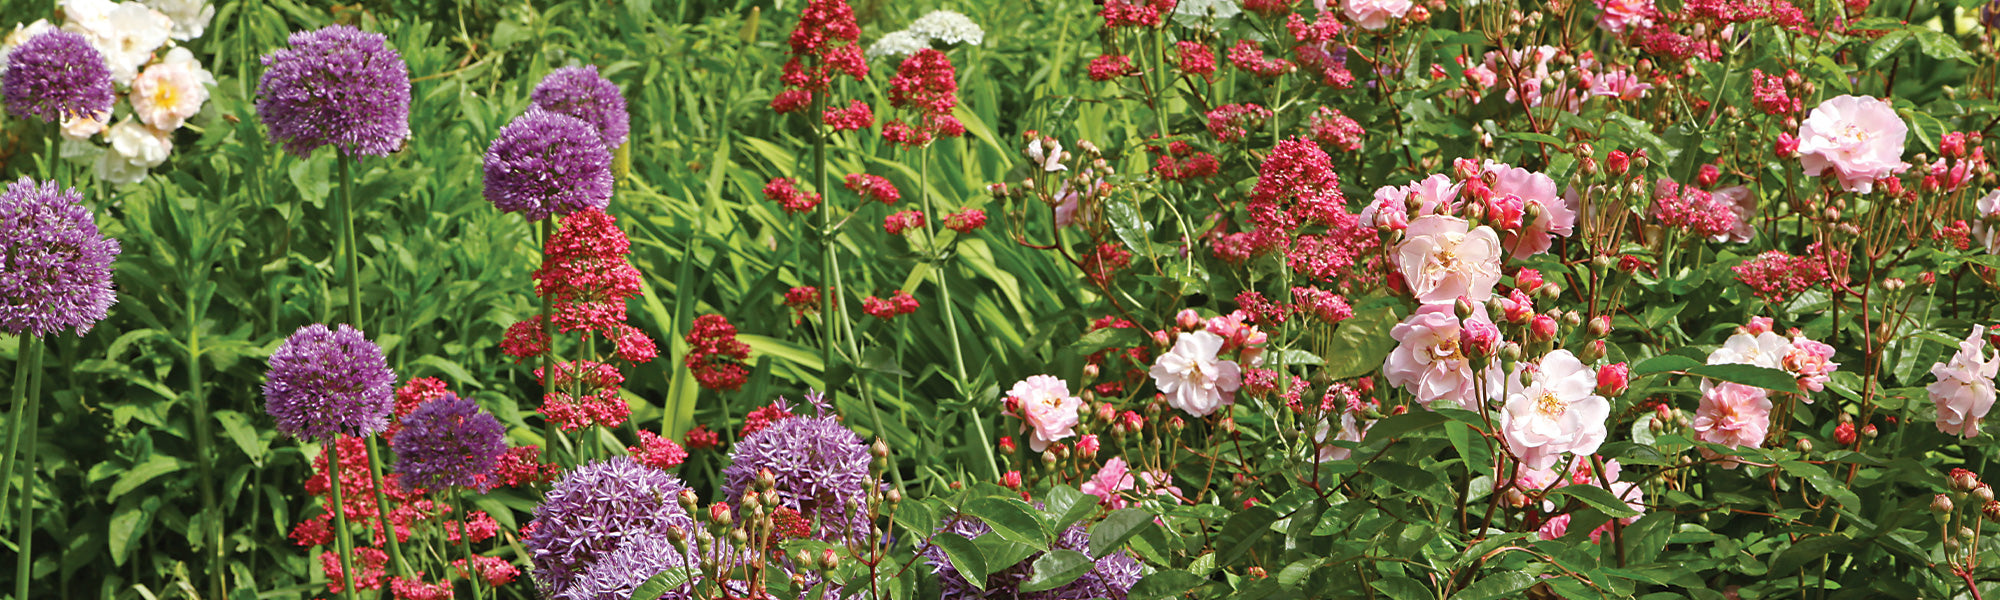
[
  {"x": 1349, "y": 432},
  {"x": 897, "y": 45},
  {"x": 1195, "y": 14},
  {"x": 1050, "y": 158},
  {"x": 1765, "y": 349},
  {"x": 170, "y": 92},
  {"x": 1191, "y": 377},
  {"x": 126, "y": 33},
  {"x": 1964, "y": 390},
  {"x": 948, "y": 27},
  {"x": 1989, "y": 211},
  {"x": 1556, "y": 412},
  {"x": 81, "y": 127},
  {"x": 134, "y": 149},
  {"x": 190, "y": 16},
  {"x": 1443, "y": 258},
  {"x": 20, "y": 36}
]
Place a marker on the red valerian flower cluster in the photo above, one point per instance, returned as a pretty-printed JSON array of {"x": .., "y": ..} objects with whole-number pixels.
[
  {"x": 927, "y": 85},
  {"x": 965, "y": 221},
  {"x": 1775, "y": 275},
  {"x": 657, "y": 452},
  {"x": 764, "y": 416},
  {"x": 855, "y": 117},
  {"x": 787, "y": 194},
  {"x": 1181, "y": 162},
  {"x": 1195, "y": 58},
  {"x": 1110, "y": 66},
  {"x": 584, "y": 393},
  {"x": 901, "y": 303},
  {"x": 824, "y": 43},
  {"x": 1233, "y": 122},
  {"x": 803, "y": 300},
  {"x": 897, "y": 223},
  {"x": 1132, "y": 13},
  {"x": 715, "y": 356},
  {"x": 873, "y": 187},
  {"x": 1334, "y": 131}
]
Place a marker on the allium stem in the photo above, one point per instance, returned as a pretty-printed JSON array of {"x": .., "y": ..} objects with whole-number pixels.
[
  {"x": 24, "y": 525},
  {"x": 352, "y": 260},
  {"x": 343, "y": 542},
  {"x": 28, "y": 359},
  {"x": 939, "y": 257},
  {"x": 382, "y": 507},
  {"x": 829, "y": 272},
  {"x": 465, "y": 541},
  {"x": 205, "y": 432}
]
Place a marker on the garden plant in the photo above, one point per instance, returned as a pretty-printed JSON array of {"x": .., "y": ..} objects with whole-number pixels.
[{"x": 1044, "y": 299}]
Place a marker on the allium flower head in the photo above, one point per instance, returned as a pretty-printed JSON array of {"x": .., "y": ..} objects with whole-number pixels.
[
  {"x": 1859, "y": 138},
  {"x": 620, "y": 572},
  {"x": 337, "y": 86},
  {"x": 329, "y": 381},
  {"x": 55, "y": 269},
  {"x": 820, "y": 466},
  {"x": 580, "y": 92},
  {"x": 448, "y": 442},
  {"x": 594, "y": 511},
  {"x": 56, "y": 75},
  {"x": 545, "y": 164}
]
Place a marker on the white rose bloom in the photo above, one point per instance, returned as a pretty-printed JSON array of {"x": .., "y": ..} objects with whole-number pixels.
[
  {"x": 171, "y": 91},
  {"x": 190, "y": 17},
  {"x": 897, "y": 45},
  {"x": 81, "y": 128},
  {"x": 20, "y": 36},
  {"x": 1557, "y": 411},
  {"x": 1766, "y": 350},
  {"x": 1191, "y": 377},
  {"x": 1989, "y": 211},
  {"x": 126, "y": 33},
  {"x": 139, "y": 144},
  {"x": 114, "y": 169},
  {"x": 948, "y": 27}
]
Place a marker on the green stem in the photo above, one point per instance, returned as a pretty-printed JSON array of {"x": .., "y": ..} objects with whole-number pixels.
[
  {"x": 829, "y": 272},
  {"x": 348, "y": 245},
  {"x": 465, "y": 542},
  {"x": 382, "y": 507},
  {"x": 549, "y": 431},
  {"x": 343, "y": 541},
  {"x": 24, "y": 526},
  {"x": 940, "y": 260},
  {"x": 205, "y": 432},
  {"x": 27, "y": 362}
]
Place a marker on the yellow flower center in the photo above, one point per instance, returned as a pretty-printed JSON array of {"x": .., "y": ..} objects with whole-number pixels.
[{"x": 1550, "y": 406}]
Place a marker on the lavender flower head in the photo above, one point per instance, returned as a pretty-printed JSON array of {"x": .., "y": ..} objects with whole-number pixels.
[
  {"x": 448, "y": 442},
  {"x": 56, "y": 75},
  {"x": 619, "y": 573},
  {"x": 337, "y": 86},
  {"x": 579, "y": 92},
  {"x": 55, "y": 269},
  {"x": 819, "y": 465},
  {"x": 595, "y": 510},
  {"x": 1111, "y": 577},
  {"x": 547, "y": 163},
  {"x": 324, "y": 382}
]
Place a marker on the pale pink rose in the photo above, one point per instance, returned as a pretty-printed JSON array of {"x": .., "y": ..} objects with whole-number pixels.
[
  {"x": 1047, "y": 408},
  {"x": 1744, "y": 205},
  {"x": 169, "y": 92},
  {"x": 1536, "y": 190},
  {"x": 1157, "y": 482},
  {"x": 1375, "y": 14},
  {"x": 1860, "y": 138},
  {"x": 1531, "y": 67},
  {"x": 1191, "y": 376},
  {"x": 1811, "y": 362},
  {"x": 1115, "y": 477},
  {"x": 1732, "y": 414},
  {"x": 1443, "y": 258},
  {"x": 1619, "y": 84},
  {"x": 1556, "y": 527},
  {"x": 1983, "y": 228},
  {"x": 1050, "y": 158},
  {"x": 1350, "y": 431},
  {"x": 1557, "y": 411},
  {"x": 1765, "y": 349},
  {"x": 1430, "y": 361},
  {"x": 1239, "y": 336},
  {"x": 1964, "y": 388},
  {"x": 1759, "y": 325},
  {"x": 1482, "y": 76},
  {"x": 1393, "y": 205},
  {"x": 1620, "y": 16}
]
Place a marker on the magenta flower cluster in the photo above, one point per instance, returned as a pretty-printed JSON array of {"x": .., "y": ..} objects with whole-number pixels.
[
  {"x": 325, "y": 381},
  {"x": 338, "y": 86},
  {"x": 54, "y": 76},
  {"x": 55, "y": 268}
]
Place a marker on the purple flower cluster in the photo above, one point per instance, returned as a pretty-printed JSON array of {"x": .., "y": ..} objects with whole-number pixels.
[
  {"x": 324, "y": 382},
  {"x": 579, "y": 92},
  {"x": 820, "y": 466},
  {"x": 337, "y": 86},
  {"x": 55, "y": 269},
  {"x": 56, "y": 75},
  {"x": 622, "y": 571},
  {"x": 1112, "y": 577},
  {"x": 547, "y": 163},
  {"x": 594, "y": 511},
  {"x": 448, "y": 442}
]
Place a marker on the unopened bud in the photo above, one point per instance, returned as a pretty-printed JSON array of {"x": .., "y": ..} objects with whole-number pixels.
[
  {"x": 1940, "y": 504},
  {"x": 739, "y": 536},
  {"x": 1600, "y": 326},
  {"x": 1991, "y": 510},
  {"x": 1984, "y": 493},
  {"x": 879, "y": 449},
  {"x": 719, "y": 513},
  {"x": 1090, "y": 372},
  {"x": 1962, "y": 480},
  {"x": 766, "y": 480},
  {"x": 1176, "y": 425},
  {"x": 1868, "y": 431},
  {"x": 1464, "y": 307},
  {"x": 1805, "y": 446},
  {"x": 1188, "y": 319},
  {"x": 895, "y": 496},
  {"x": 828, "y": 559}
]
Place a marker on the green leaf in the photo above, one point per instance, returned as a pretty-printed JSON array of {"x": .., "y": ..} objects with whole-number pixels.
[
  {"x": 1398, "y": 425},
  {"x": 1664, "y": 363},
  {"x": 1057, "y": 568},
  {"x": 239, "y": 430},
  {"x": 1068, "y": 506},
  {"x": 1361, "y": 342},
  {"x": 660, "y": 583},
  {"x": 1502, "y": 584},
  {"x": 1241, "y": 533},
  {"x": 141, "y": 473},
  {"x": 1011, "y": 519},
  {"x": 1805, "y": 550},
  {"x": 1884, "y": 46},
  {"x": 1750, "y": 375},
  {"x": 1165, "y": 584},
  {"x": 1600, "y": 499},
  {"x": 1111, "y": 533},
  {"x": 1130, "y": 227},
  {"x": 964, "y": 556},
  {"x": 1109, "y": 337}
]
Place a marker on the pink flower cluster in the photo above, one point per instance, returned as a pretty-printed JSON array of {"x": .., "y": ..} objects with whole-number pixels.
[
  {"x": 787, "y": 194},
  {"x": 899, "y": 222},
  {"x": 965, "y": 220},
  {"x": 1194, "y": 58},
  {"x": 1111, "y": 66},
  {"x": 657, "y": 452},
  {"x": 1135, "y": 13},
  {"x": 872, "y": 187},
  {"x": 715, "y": 356},
  {"x": 1722, "y": 215},
  {"x": 898, "y": 304},
  {"x": 1046, "y": 408},
  {"x": 824, "y": 42},
  {"x": 1249, "y": 57},
  {"x": 583, "y": 393},
  {"x": 1775, "y": 275},
  {"x": 1233, "y": 122},
  {"x": 927, "y": 85},
  {"x": 1334, "y": 130},
  {"x": 1181, "y": 162}
]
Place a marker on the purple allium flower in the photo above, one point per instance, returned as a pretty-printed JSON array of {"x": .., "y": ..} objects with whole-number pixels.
[
  {"x": 336, "y": 86},
  {"x": 596, "y": 509},
  {"x": 579, "y": 92},
  {"x": 547, "y": 163},
  {"x": 622, "y": 571},
  {"x": 55, "y": 269},
  {"x": 1112, "y": 577},
  {"x": 56, "y": 75},
  {"x": 448, "y": 442},
  {"x": 326, "y": 381},
  {"x": 819, "y": 465}
]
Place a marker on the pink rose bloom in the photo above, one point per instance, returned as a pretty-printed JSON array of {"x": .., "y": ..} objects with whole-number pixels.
[
  {"x": 1443, "y": 258},
  {"x": 1764, "y": 349},
  {"x": 171, "y": 91},
  {"x": 1191, "y": 377},
  {"x": 1437, "y": 194},
  {"x": 1350, "y": 431},
  {"x": 1811, "y": 362},
  {"x": 1860, "y": 138},
  {"x": 1744, "y": 205},
  {"x": 1429, "y": 360},
  {"x": 1556, "y": 527},
  {"x": 1557, "y": 411},
  {"x": 1534, "y": 189},
  {"x": 1048, "y": 409},
  {"x": 1620, "y": 16},
  {"x": 1619, "y": 84},
  {"x": 1374, "y": 15},
  {"x": 1240, "y": 336},
  {"x": 1732, "y": 414},
  {"x": 1964, "y": 388},
  {"x": 1115, "y": 477},
  {"x": 1989, "y": 212}
]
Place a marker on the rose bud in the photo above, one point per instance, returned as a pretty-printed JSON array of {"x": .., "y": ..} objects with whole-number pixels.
[
  {"x": 1613, "y": 379},
  {"x": 1844, "y": 434}
]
